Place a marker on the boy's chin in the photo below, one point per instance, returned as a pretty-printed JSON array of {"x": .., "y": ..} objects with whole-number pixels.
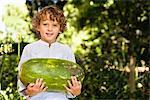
[{"x": 50, "y": 41}]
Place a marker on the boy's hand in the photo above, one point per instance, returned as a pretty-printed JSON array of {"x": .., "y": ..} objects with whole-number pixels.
[
  {"x": 74, "y": 86},
  {"x": 35, "y": 88}
]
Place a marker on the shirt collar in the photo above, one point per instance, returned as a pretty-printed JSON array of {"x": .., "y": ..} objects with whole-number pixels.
[{"x": 45, "y": 43}]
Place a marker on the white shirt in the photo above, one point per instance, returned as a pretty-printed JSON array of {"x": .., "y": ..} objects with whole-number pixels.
[{"x": 41, "y": 49}]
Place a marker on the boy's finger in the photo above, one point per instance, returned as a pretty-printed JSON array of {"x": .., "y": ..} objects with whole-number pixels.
[
  {"x": 31, "y": 85},
  {"x": 74, "y": 81},
  {"x": 45, "y": 89},
  {"x": 74, "y": 78},
  {"x": 40, "y": 81},
  {"x": 37, "y": 80},
  {"x": 43, "y": 85},
  {"x": 70, "y": 85},
  {"x": 67, "y": 88},
  {"x": 80, "y": 84}
]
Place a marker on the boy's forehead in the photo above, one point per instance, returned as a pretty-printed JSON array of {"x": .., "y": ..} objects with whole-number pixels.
[
  {"x": 50, "y": 17},
  {"x": 45, "y": 17},
  {"x": 49, "y": 21}
]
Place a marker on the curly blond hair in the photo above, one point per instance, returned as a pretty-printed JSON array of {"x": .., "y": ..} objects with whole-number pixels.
[{"x": 54, "y": 13}]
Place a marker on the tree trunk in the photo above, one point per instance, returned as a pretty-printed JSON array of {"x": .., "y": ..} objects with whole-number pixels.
[{"x": 132, "y": 78}]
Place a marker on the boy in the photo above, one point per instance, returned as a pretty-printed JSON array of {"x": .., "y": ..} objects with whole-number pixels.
[{"x": 48, "y": 24}]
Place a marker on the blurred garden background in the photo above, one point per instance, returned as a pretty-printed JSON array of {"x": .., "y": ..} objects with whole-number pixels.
[{"x": 110, "y": 39}]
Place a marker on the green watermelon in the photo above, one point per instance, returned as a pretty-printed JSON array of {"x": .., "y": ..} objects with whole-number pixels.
[{"x": 55, "y": 72}]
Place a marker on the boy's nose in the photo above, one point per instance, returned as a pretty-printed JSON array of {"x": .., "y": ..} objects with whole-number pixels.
[{"x": 50, "y": 28}]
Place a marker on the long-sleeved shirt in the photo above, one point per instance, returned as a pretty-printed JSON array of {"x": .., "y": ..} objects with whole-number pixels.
[{"x": 41, "y": 49}]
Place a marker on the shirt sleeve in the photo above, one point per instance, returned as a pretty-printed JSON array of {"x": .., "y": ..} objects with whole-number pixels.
[
  {"x": 69, "y": 95},
  {"x": 70, "y": 55},
  {"x": 24, "y": 57}
]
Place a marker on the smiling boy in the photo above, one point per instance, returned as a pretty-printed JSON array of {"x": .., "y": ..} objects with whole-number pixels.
[{"x": 48, "y": 24}]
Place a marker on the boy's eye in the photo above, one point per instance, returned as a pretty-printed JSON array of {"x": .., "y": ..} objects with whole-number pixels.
[
  {"x": 54, "y": 24},
  {"x": 45, "y": 24}
]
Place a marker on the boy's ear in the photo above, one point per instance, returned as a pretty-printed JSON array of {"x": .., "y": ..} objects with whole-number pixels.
[
  {"x": 60, "y": 32},
  {"x": 37, "y": 28}
]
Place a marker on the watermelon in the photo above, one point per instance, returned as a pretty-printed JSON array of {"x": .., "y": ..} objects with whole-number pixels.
[{"x": 55, "y": 72}]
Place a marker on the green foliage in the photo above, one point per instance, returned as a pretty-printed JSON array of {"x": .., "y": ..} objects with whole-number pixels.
[
  {"x": 18, "y": 23},
  {"x": 18, "y": 26},
  {"x": 104, "y": 36},
  {"x": 8, "y": 77}
]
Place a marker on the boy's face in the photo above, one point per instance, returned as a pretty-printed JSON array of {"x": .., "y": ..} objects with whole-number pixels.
[{"x": 49, "y": 30}]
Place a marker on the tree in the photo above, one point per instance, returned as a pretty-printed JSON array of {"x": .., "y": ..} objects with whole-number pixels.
[
  {"x": 18, "y": 30},
  {"x": 109, "y": 35}
]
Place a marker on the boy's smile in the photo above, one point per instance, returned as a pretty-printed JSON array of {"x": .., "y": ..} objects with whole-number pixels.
[
  {"x": 49, "y": 34},
  {"x": 49, "y": 30}
]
